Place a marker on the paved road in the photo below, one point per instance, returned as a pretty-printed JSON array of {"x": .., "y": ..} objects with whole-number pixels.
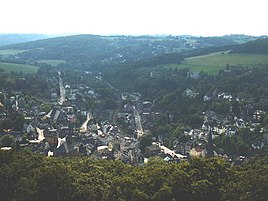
[
  {"x": 84, "y": 125},
  {"x": 62, "y": 90},
  {"x": 138, "y": 123}
]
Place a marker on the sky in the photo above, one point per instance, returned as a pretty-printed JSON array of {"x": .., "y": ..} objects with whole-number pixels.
[{"x": 135, "y": 17}]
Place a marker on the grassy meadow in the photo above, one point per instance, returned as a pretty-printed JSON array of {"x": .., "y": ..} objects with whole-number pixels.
[
  {"x": 10, "y": 52},
  {"x": 212, "y": 63},
  {"x": 8, "y": 67},
  {"x": 51, "y": 62}
]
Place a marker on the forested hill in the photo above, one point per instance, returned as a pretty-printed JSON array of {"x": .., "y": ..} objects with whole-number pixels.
[
  {"x": 7, "y": 39},
  {"x": 259, "y": 46},
  {"x": 68, "y": 48},
  {"x": 93, "y": 50}
]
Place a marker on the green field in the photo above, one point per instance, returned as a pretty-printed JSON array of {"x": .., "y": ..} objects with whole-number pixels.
[
  {"x": 10, "y": 52},
  {"x": 212, "y": 63},
  {"x": 8, "y": 67},
  {"x": 51, "y": 62}
]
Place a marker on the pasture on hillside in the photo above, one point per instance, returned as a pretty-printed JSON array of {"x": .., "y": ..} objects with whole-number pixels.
[
  {"x": 8, "y": 67},
  {"x": 8, "y": 52},
  {"x": 51, "y": 62},
  {"x": 212, "y": 63}
]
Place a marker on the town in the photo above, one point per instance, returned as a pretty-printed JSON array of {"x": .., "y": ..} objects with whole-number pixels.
[{"x": 66, "y": 125}]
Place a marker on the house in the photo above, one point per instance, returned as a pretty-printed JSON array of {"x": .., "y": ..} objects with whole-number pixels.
[
  {"x": 57, "y": 115},
  {"x": 30, "y": 129},
  {"x": 219, "y": 130},
  {"x": 3, "y": 115},
  {"x": 106, "y": 128},
  {"x": 196, "y": 152},
  {"x": 193, "y": 75},
  {"x": 205, "y": 153},
  {"x": 102, "y": 148},
  {"x": 68, "y": 109},
  {"x": 131, "y": 96},
  {"x": 63, "y": 131},
  {"x": 67, "y": 89},
  {"x": 225, "y": 96},
  {"x": 172, "y": 153},
  {"x": 147, "y": 105},
  {"x": 51, "y": 136},
  {"x": 168, "y": 159},
  {"x": 231, "y": 131},
  {"x": 71, "y": 97},
  {"x": 206, "y": 98},
  {"x": 258, "y": 114},
  {"x": 91, "y": 94},
  {"x": 21, "y": 103},
  {"x": 257, "y": 145},
  {"x": 65, "y": 147},
  {"x": 196, "y": 134},
  {"x": 6, "y": 148},
  {"x": 189, "y": 93},
  {"x": 114, "y": 145}
]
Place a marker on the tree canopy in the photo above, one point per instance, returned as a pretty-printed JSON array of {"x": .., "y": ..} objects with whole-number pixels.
[{"x": 26, "y": 176}]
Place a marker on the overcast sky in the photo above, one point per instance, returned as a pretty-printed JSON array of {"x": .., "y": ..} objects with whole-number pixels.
[{"x": 135, "y": 17}]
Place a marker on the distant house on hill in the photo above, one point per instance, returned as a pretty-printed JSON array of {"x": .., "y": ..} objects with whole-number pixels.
[
  {"x": 189, "y": 93},
  {"x": 147, "y": 105},
  {"x": 193, "y": 75}
]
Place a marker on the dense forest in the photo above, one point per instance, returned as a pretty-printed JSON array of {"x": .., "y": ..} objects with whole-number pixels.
[{"x": 25, "y": 177}]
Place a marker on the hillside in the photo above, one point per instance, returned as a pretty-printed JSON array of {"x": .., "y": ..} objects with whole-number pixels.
[
  {"x": 241, "y": 38},
  {"x": 9, "y": 67},
  {"x": 213, "y": 62},
  {"x": 159, "y": 79},
  {"x": 259, "y": 46},
  {"x": 212, "y": 59},
  {"x": 92, "y": 51}
]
